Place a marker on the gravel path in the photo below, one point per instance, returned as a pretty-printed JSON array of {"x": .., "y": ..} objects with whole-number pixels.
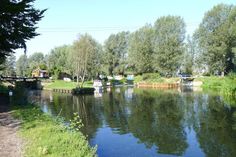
[{"x": 10, "y": 143}]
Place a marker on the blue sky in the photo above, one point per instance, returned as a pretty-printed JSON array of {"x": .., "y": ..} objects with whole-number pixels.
[{"x": 65, "y": 19}]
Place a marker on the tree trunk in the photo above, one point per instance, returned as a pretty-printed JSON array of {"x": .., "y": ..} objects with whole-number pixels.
[
  {"x": 82, "y": 81},
  {"x": 77, "y": 79}
]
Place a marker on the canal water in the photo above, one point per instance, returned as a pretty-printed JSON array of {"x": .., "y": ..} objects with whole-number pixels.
[{"x": 132, "y": 122}]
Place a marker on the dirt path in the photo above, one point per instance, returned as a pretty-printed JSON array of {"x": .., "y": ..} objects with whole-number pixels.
[{"x": 10, "y": 143}]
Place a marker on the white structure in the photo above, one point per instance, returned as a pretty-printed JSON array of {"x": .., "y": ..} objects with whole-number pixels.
[{"x": 97, "y": 83}]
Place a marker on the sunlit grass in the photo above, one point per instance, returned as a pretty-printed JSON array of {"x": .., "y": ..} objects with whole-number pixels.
[
  {"x": 45, "y": 136},
  {"x": 60, "y": 84},
  {"x": 154, "y": 78},
  {"x": 225, "y": 84}
]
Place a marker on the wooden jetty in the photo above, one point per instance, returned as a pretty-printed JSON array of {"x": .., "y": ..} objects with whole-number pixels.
[{"x": 158, "y": 85}]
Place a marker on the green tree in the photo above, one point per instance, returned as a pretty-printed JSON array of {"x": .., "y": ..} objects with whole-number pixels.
[
  {"x": 17, "y": 24},
  {"x": 141, "y": 50},
  {"x": 215, "y": 127},
  {"x": 168, "y": 44},
  {"x": 116, "y": 52},
  {"x": 188, "y": 57},
  {"x": 57, "y": 60},
  {"x": 82, "y": 58},
  {"x": 36, "y": 60},
  {"x": 22, "y": 67},
  {"x": 216, "y": 37},
  {"x": 8, "y": 67}
]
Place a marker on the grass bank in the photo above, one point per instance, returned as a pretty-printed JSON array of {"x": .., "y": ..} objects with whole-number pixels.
[
  {"x": 47, "y": 137},
  {"x": 154, "y": 78},
  {"x": 226, "y": 84},
  {"x": 60, "y": 84}
]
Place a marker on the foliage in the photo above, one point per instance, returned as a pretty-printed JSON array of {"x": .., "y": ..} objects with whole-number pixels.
[
  {"x": 37, "y": 60},
  {"x": 168, "y": 44},
  {"x": 154, "y": 78},
  {"x": 8, "y": 67},
  {"x": 116, "y": 47},
  {"x": 140, "y": 50},
  {"x": 214, "y": 82},
  {"x": 57, "y": 61},
  {"x": 227, "y": 85},
  {"x": 47, "y": 137},
  {"x": 188, "y": 62},
  {"x": 216, "y": 37},
  {"x": 76, "y": 123},
  {"x": 83, "y": 57},
  {"x": 22, "y": 66},
  {"x": 17, "y": 20}
]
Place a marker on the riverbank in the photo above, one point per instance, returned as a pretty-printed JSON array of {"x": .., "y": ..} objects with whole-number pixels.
[
  {"x": 226, "y": 85},
  {"x": 45, "y": 136}
]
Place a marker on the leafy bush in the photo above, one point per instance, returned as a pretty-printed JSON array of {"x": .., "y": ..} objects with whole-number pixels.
[
  {"x": 227, "y": 84},
  {"x": 151, "y": 76}
]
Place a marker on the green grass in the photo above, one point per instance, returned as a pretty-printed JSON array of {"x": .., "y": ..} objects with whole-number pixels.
[
  {"x": 226, "y": 84},
  {"x": 212, "y": 82},
  {"x": 60, "y": 84},
  {"x": 154, "y": 78},
  {"x": 47, "y": 137}
]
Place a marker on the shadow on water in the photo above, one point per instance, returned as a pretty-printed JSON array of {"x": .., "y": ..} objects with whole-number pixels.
[{"x": 149, "y": 122}]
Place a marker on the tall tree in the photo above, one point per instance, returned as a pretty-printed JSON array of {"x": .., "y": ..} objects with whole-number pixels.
[
  {"x": 168, "y": 44},
  {"x": 116, "y": 52},
  {"x": 82, "y": 56},
  {"x": 8, "y": 67},
  {"x": 36, "y": 60},
  {"x": 188, "y": 62},
  {"x": 141, "y": 50},
  {"x": 216, "y": 37},
  {"x": 17, "y": 24},
  {"x": 57, "y": 60},
  {"x": 22, "y": 67}
]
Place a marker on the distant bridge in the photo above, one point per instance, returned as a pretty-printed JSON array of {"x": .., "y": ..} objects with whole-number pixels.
[
  {"x": 28, "y": 82},
  {"x": 14, "y": 79}
]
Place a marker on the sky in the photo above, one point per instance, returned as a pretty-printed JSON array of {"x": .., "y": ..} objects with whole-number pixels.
[{"x": 66, "y": 19}]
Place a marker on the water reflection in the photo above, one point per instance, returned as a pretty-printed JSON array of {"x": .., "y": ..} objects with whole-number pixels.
[{"x": 147, "y": 122}]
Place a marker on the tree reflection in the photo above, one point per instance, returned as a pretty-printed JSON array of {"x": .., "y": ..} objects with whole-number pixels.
[
  {"x": 157, "y": 120},
  {"x": 215, "y": 133},
  {"x": 115, "y": 111},
  {"x": 88, "y": 112}
]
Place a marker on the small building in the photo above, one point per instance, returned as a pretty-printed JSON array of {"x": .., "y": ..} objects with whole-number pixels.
[{"x": 40, "y": 73}]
